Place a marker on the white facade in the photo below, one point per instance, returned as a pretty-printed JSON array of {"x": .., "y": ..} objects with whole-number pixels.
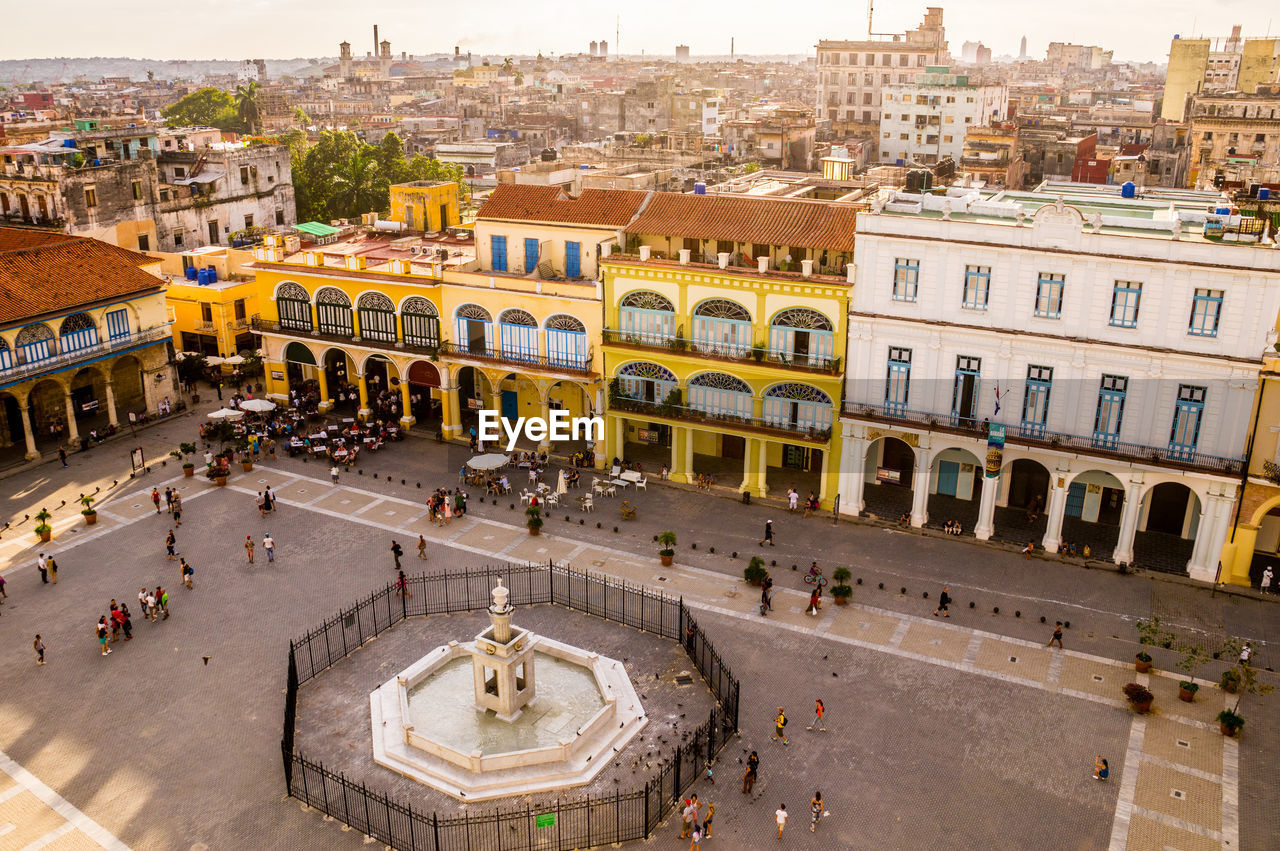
[
  {"x": 1123, "y": 360},
  {"x": 926, "y": 120}
]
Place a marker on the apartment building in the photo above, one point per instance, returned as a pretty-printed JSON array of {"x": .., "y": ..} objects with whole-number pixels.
[
  {"x": 1214, "y": 65},
  {"x": 1235, "y": 139},
  {"x": 926, "y": 120}
]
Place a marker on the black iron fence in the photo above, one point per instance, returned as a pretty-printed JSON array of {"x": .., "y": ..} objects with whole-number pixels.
[{"x": 563, "y": 824}]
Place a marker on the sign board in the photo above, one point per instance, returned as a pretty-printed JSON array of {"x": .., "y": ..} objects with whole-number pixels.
[
  {"x": 91, "y": 405},
  {"x": 133, "y": 416},
  {"x": 277, "y": 375},
  {"x": 995, "y": 449},
  {"x": 137, "y": 460},
  {"x": 647, "y": 435},
  {"x": 474, "y": 404},
  {"x": 885, "y": 474},
  {"x": 545, "y": 820}
]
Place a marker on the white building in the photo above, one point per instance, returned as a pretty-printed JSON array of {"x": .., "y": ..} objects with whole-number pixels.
[
  {"x": 1117, "y": 346},
  {"x": 925, "y": 120}
]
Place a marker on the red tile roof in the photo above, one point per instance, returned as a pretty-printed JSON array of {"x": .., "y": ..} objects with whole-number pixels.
[
  {"x": 611, "y": 208},
  {"x": 44, "y": 272},
  {"x": 752, "y": 219}
]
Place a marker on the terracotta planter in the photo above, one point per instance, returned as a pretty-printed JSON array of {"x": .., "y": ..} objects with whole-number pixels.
[
  {"x": 535, "y": 530},
  {"x": 91, "y": 518},
  {"x": 220, "y": 481},
  {"x": 1232, "y": 687},
  {"x": 1140, "y": 666},
  {"x": 842, "y": 601},
  {"x": 666, "y": 560},
  {"x": 188, "y": 470},
  {"x": 247, "y": 466},
  {"x": 1142, "y": 708},
  {"x": 1186, "y": 694},
  {"x": 1228, "y": 730},
  {"x": 46, "y": 536}
]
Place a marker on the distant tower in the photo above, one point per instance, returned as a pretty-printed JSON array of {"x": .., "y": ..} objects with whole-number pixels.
[
  {"x": 384, "y": 58},
  {"x": 1022, "y": 53},
  {"x": 604, "y": 50},
  {"x": 595, "y": 48},
  {"x": 344, "y": 59},
  {"x": 682, "y": 53}
]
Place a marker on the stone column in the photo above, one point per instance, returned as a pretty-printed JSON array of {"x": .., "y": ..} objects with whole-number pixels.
[
  {"x": 111, "y": 405},
  {"x": 1128, "y": 523},
  {"x": 619, "y": 440},
  {"x": 362, "y": 382},
  {"x": 407, "y": 419},
  {"x": 920, "y": 487},
  {"x": 73, "y": 434},
  {"x": 1214, "y": 525},
  {"x": 1242, "y": 560},
  {"x": 545, "y": 443},
  {"x": 1056, "y": 510},
  {"x": 32, "y": 452},
  {"x": 681, "y": 442},
  {"x": 853, "y": 461},
  {"x": 762, "y": 473},
  {"x": 450, "y": 421},
  {"x": 748, "y": 471},
  {"x": 323, "y": 379},
  {"x": 1204, "y": 537},
  {"x": 826, "y": 493},
  {"x": 986, "y": 506},
  {"x": 150, "y": 404}
]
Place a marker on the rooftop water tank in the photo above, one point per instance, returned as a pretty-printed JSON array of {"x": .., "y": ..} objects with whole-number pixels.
[
  {"x": 191, "y": 272},
  {"x": 202, "y": 277},
  {"x": 699, "y": 188},
  {"x": 1264, "y": 194},
  {"x": 1222, "y": 211},
  {"x": 213, "y": 275},
  {"x": 1128, "y": 189}
]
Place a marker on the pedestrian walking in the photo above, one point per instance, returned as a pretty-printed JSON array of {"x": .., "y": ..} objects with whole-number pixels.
[
  {"x": 1101, "y": 771},
  {"x": 150, "y": 606},
  {"x": 42, "y": 565},
  {"x": 4, "y": 595},
  {"x": 816, "y": 811},
  {"x": 1057, "y": 635},
  {"x": 102, "y": 635},
  {"x": 177, "y": 512},
  {"x": 1246, "y": 653},
  {"x": 170, "y": 541},
  {"x": 333, "y": 473},
  {"x": 422, "y": 547},
  {"x": 155, "y": 499},
  {"x": 749, "y": 776},
  {"x": 768, "y": 533},
  {"x": 781, "y": 818},
  {"x": 780, "y": 723},
  {"x": 128, "y": 622},
  {"x": 162, "y": 601},
  {"x": 52, "y": 564},
  {"x": 62, "y": 456},
  {"x": 944, "y": 600},
  {"x": 793, "y": 500},
  {"x": 695, "y": 841},
  {"x": 168, "y": 500},
  {"x": 117, "y": 622},
  {"x": 269, "y": 544},
  {"x": 706, "y": 824},
  {"x": 269, "y": 498},
  {"x": 402, "y": 586},
  {"x": 142, "y": 602},
  {"x": 396, "y": 552},
  {"x": 812, "y": 610},
  {"x": 38, "y": 644},
  {"x": 187, "y": 573},
  {"x": 261, "y": 509},
  {"x": 248, "y": 547},
  {"x": 818, "y": 711},
  {"x": 1265, "y": 585},
  {"x": 767, "y": 586}
]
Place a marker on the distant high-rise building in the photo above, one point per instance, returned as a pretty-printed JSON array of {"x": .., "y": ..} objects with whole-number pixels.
[
  {"x": 1022, "y": 51},
  {"x": 682, "y": 53},
  {"x": 595, "y": 48},
  {"x": 604, "y": 49},
  {"x": 1211, "y": 65}
]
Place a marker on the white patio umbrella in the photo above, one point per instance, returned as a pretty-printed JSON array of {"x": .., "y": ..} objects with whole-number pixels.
[
  {"x": 562, "y": 486},
  {"x": 234, "y": 360},
  {"x": 490, "y": 461},
  {"x": 226, "y": 414},
  {"x": 213, "y": 361},
  {"x": 260, "y": 405}
]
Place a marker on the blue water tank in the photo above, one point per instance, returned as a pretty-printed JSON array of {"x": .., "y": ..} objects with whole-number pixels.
[
  {"x": 1223, "y": 211},
  {"x": 1264, "y": 194},
  {"x": 203, "y": 278},
  {"x": 191, "y": 272},
  {"x": 699, "y": 188},
  {"x": 68, "y": 143},
  {"x": 213, "y": 275},
  {"x": 1128, "y": 189}
]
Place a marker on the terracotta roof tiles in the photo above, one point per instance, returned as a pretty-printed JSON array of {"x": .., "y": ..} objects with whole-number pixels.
[
  {"x": 47, "y": 273},
  {"x": 764, "y": 221},
  {"x": 611, "y": 208}
]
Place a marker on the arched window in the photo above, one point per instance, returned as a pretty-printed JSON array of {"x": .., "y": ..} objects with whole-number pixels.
[
  {"x": 333, "y": 310},
  {"x": 519, "y": 335},
  {"x": 6, "y": 356},
  {"x": 646, "y": 317},
  {"x": 567, "y": 342},
  {"x": 802, "y": 335},
  {"x": 421, "y": 323},
  {"x": 377, "y": 317},
  {"x": 797, "y": 406},
  {"x": 77, "y": 332},
  {"x": 646, "y": 382},
  {"x": 722, "y": 327},
  {"x": 474, "y": 328},
  {"x": 720, "y": 395},
  {"x": 34, "y": 343},
  {"x": 293, "y": 306}
]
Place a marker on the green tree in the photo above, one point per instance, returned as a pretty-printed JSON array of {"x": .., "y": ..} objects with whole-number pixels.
[
  {"x": 507, "y": 66},
  {"x": 211, "y": 107},
  {"x": 315, "y": 169},
  {"x": 357, "y": 184},
  {"x": 392, "y": 165},
  {"x": 300, "y": 116},
  {"x": 247, "y": 110},
  {"x": 426, "y": 168},
  {"x": 519, "y": 78}
]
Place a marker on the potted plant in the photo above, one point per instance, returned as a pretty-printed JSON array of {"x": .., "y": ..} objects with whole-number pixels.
[
  {"x": 1193, "y": 656},
  {"x": 43, "y": 529},
  {"x": 1229, "y": 722},
  {"x": 188, "y": 467},
  {"x": 1230, "y": 681},
  {"x": 668, "y": 541},
  {"x": 841, "y": 590},
  {"x": 1139, "y": 698},
  {"x": 246, "y": 456},
  {"x": 1150, "y": 632},
  {"x": 754, "y": 572},
  {"x": 533, "y": 519},
  {"x": 89, "y": 512}
]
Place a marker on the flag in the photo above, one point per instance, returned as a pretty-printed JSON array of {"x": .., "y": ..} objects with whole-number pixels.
[{"x": 997, "y": 411}]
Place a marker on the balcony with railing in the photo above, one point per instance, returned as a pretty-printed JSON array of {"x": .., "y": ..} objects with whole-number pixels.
[
  {"x": 11, "y": 371},
  {"x": 427, "y": 346},
  {"x": 671, "y": 344},
  {"x": 1106, "y": 446},
  {"x": 575, "y": 363},
  {"x": 682, "y": 414}
]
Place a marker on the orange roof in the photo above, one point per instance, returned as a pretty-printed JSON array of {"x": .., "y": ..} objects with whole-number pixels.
[
  {"x": 43, "y": 272},
  {"x": 763, "y": 221},
  {"x": 611, "y": 208}
]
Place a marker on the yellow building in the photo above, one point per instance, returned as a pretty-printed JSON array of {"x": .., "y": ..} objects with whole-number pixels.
[
  {"x": 425, "y": 205},
  {"x": 725, "y": 336},
  {"x": 1254, "y": 542},
  {"x": 211, "y": 313},
  {"x": 84, "y": 339}
]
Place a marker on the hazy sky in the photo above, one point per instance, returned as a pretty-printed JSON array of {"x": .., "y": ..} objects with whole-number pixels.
[{"x": 280, "y": 29}]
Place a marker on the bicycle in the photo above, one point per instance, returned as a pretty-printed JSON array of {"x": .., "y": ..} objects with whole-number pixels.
[{"x": 815, "y": 576}]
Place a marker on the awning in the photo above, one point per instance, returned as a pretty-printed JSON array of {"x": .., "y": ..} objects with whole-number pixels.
[
  {"x": 316, "y": 229},
  {"x": 203, "y": 177}
]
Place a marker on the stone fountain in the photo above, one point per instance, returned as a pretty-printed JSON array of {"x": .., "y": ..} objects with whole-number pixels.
[{"x": 507, "y": 731}]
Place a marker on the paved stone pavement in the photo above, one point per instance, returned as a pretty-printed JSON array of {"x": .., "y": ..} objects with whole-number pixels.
[{"x": 939, "y": 717}]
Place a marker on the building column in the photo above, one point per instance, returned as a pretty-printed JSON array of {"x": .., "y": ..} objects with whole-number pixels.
[
  {"x": 73, "y": 434},
  {"x": 1204, "y": 537},
  {"x": 853, "y": 460},
  {"x": 407, "y": 419},
  {"x": 323, "y": 378},
  {"x": 1242, "y": 555},
  {"x": 762, "y": 468},
  {"x": 281, "y": 386},
  {"x": 362, "y": 383},
  {"x": 598, "y": 458},
  {"x": 987, "y": 506},
  {"x": 920, "y": 487},
  {"x": 150, "y": 404},
  {"x": 681, "y": 470},
  {"x": 1215, "y": 521},
  {"x": 111, "y": 404},
  {"x": 748, "y": 472},
  {"x": 1128, "y": 523},
  {"x": 545, "y": 443},
  {"x": 450, "y": 420},
  {"x": 619, "y": 439},
  {"x": 825, "y": 492},
  {"x": 1056, "y": 511},
  {"x": 32, "y": 453}
]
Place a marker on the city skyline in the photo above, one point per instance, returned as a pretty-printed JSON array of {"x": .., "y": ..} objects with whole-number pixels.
[{"x": 703, "y": 28}]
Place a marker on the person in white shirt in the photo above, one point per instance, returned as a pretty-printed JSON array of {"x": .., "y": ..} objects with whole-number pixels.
[
  {"x": 1265, "y": 585},
  {"x": 781, "y": 818}
]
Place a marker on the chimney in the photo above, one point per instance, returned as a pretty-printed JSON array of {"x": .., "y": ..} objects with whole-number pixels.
[{"x": 375, "y": 39}]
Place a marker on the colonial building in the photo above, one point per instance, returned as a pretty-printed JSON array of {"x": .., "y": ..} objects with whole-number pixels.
[
  {"x": 1235, "y": 139},
  {"x": 926, "y": 120},
  {"x": 1096, "y": 355},
  {"x": 84, "y": 338},
  {"x": 724, "y": 339}
]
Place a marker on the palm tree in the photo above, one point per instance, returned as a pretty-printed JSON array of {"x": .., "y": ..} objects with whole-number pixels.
[
  {"x": 519, "y": 78},
  {"x": 355, "y": 184},
  {"x": 507, "y": 65},
  {"x": 246, "y": 99}
]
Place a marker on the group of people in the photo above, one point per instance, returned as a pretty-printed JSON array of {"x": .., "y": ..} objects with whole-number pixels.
[
  {"x": 952, "y": 527},
  {"x": 172, "y": 503},
  {"x": 793, "y": 502},
  {"x": 117, "y": 623},
  {"x": 443, "y": 505},
  {"x": 693, "y": 826}
]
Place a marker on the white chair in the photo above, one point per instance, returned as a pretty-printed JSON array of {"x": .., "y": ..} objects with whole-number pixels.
[
  {"x": 588, "y": 504},
  {"x": 614, "y": 472},
  {"x": 610, "y": 491},
  {"x": 552, "y": 499},
  {"x": 598, "y": 486},
  {"x": 525, "y": 496},
  {"x": 642, "y": 484}
]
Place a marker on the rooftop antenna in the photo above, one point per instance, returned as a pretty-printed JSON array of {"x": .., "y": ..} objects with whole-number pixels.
[
  {"x": 617, "y": 37},
  {"x": 871, "y": 9}
]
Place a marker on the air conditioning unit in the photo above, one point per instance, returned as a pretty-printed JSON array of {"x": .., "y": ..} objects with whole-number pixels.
[{"x": 415, "y": 249}]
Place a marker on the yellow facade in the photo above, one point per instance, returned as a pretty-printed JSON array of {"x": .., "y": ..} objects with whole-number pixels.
[
  {"x": 425, "y": 205},
  {"x": 213, "y": 318},
  {"x": 1188, "y": 59},
  {"x": 1257, "y": 528},
  {"x": 729, "y": 343}
]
